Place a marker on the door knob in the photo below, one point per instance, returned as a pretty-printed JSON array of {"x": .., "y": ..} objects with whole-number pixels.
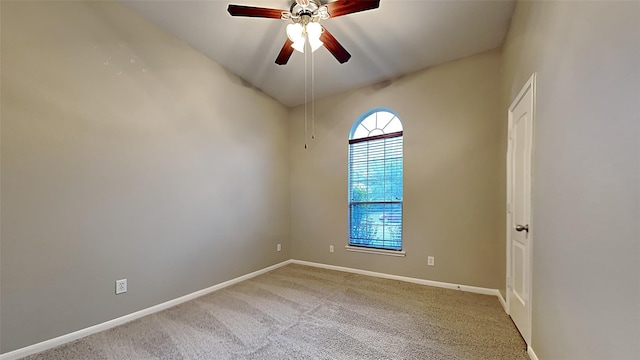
[{"x": 522, "y": 228}]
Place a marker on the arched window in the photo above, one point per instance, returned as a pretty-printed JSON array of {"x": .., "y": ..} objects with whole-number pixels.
[{"x": 375, "y": 181}]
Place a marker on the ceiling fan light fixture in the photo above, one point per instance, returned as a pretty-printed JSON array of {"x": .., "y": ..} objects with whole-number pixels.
[
  {"x": 295, "y": 32},
  {"x": 299, "y": 45},
  {"x": 314, "y": 30},
  {"x": 315, "y": 44}
]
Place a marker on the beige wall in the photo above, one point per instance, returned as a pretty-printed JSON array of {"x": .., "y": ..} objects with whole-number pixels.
[
  {"x": 586, "y": 173},
  {"x": 453, "y": 183},
  {"x": 126, "y": 154}
]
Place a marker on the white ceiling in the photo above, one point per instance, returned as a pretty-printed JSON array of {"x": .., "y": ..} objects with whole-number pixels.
[{"x": 399, "y": 37}]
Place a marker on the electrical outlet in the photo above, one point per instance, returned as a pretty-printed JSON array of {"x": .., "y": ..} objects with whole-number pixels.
[
  {"x": 279, "y": 247},
  {"x": 121, "y": 286},
  {"x": 330, "y": 248},
  {"x": 431, "y": 261}
]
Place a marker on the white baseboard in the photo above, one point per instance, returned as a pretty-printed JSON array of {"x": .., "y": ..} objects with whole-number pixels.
[
  {"x": 467, "y": 288},
  {"x": 48, "y": 344},
  {"x": 503, "y": 302},
  {"x": 532, "y": 355}
]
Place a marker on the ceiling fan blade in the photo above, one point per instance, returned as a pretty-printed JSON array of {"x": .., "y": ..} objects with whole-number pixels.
[
  {"x": 334, "y": 47},
  {"x": 345, "y": 7},
  {"x": 285, "y": 53},
  {"x": 251, "y": 11}
]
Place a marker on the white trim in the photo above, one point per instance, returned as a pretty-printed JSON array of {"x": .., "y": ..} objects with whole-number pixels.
[
  {"x": 530, "y": 84},
  {"x": 467, "y": 288},
  {"x": 532, "y": 227},
  {"x": 375, "y": 251},
  {"x": 503, "y": 302},
  {"x": 508, "y": 208},
  {"x": 532, "y": 355},
  {"x": 51, "y": 343}
]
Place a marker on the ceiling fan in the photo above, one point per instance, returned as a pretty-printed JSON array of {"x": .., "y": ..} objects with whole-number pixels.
[{"x": 305, "y": 17}]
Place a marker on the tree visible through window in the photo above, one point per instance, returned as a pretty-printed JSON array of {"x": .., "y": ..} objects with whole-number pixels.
[{"x": 375, "y": 181}]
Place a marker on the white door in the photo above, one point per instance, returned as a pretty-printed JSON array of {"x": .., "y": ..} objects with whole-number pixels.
[{"x": 519, "y": 244}]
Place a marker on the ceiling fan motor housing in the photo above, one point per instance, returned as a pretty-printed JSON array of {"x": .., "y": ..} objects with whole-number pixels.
[{"x": 305, "y": 7}]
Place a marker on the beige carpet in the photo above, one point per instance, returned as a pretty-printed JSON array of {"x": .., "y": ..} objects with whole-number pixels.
[{"x": 300, "y": 312}]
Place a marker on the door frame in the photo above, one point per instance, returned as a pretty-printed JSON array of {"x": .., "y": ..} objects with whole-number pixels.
[{"x": 529, "y": 84}]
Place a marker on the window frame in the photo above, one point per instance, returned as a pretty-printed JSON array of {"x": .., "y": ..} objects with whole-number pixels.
[{"x": 359, "y": 247}]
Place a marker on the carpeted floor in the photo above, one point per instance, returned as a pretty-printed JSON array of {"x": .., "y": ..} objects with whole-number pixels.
[{"x": 300, "y": 312}]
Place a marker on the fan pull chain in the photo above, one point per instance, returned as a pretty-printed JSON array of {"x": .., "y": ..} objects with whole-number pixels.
[
  {"x": 313, "y": 101},
  {"x": 305, "y": 97}
]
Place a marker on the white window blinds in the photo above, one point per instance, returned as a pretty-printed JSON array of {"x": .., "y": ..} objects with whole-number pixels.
[{"x": 375, "y": 191}]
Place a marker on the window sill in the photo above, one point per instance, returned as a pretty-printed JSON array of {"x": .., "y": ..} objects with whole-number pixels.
[{"x": 375, "y": 251}]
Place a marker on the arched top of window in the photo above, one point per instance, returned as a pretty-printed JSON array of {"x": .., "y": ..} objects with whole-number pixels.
[{"x": 374, "y": 123}]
